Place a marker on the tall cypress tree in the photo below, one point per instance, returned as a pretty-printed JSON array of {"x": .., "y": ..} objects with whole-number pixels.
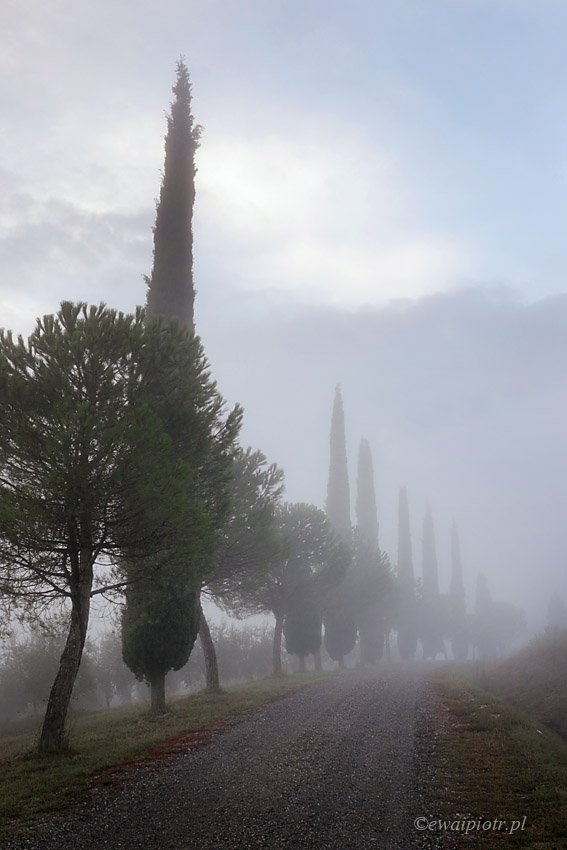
[
  {"x": 366, "y": 512},
  {"x": 302, "y": 625},
  {"x": 458, "y": 613},
  {"x": 407, "y": 633},
  {"x": 338, "y": 617},
  {"x": 169, "y": 614},
  {"x": 171, "y": 290},
  {"x": 338, "y": 491},
  {"x": 371, "y": 567},
  {"x": 431, "y": 621}
]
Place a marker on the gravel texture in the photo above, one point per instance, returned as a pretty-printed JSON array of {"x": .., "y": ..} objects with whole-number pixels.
[{"x": 344, "y": 763}]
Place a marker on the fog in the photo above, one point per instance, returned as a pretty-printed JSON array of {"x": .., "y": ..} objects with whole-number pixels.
[
  {"x": 462, "y": 396},
  {"x": 372, "y": 210}
]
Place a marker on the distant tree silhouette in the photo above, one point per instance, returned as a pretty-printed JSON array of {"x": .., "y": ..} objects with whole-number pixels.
[
  {"x": 457, "y": 604},
  {"x": 557, "y": 613},
  {"x": 309, "y": 560},
  {"x": 366, "y": 511},
  {"x": 407, "y": 613},
  {"x": 337, "y": 506},
  {"x": 432, "y": 610},
  {"x": 371, "y": 568},
  {"x": 338, "y": 614}
]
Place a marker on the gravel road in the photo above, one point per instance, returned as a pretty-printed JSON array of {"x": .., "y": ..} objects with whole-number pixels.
[{"x": 347, "y": 762}]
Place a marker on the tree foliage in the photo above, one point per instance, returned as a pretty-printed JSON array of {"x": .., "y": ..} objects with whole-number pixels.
[
  {"x": 160, "y": 623},
  {"x": 162, "y": 614},
  {"x": 309, "y": 558},
  {"x": 171, "y": 290},
  {"x": 96, "y": 435},
  {"x": 250, "y": 538}
]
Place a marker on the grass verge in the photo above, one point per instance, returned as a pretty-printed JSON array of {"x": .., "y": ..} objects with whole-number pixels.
[
  {"x": 535, "y": 679},
  {"x": 502, "y": 765},
  {"x": 105, "y": 745}
]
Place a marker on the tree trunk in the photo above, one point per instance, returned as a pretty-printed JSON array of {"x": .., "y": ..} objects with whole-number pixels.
[
  {"x": 53, "y": 730},
  {"x": 341, "y": 662},
  {"x": 277, "y": 648},
  {"x": 317, "y": 663},
  {"x": 211, "y": 663},
  {"x": 157, "y": 694},
  {"x": 302, "y": 667}
]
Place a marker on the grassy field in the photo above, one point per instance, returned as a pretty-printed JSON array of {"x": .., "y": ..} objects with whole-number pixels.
[
  {"x": 105, "y": 745},
  {"x": 501, "y": 764},
  {"x": 535, "y": 679}
]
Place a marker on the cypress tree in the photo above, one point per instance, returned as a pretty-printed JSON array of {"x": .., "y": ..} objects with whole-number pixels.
[
  {"x": 302, "y": 624},
  {"x": 338, "y": 617},
  {"x": 459, "y": 631},
  {"x": 432, "y": 625},
  {"x": 407, "y": 635},
  {"x": 370, "y": 565},
  {"x": 338, "y": 492},
  {"x": 171, "y": 291},
  {"x": 171, "y": 295},
  {"x": 366, "y": 512},
  {"x": 159, "y": 626},
  {"x": 161, "y": 618}
]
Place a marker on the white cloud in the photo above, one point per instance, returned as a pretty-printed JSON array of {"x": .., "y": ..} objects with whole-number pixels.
[{"x": 326, "y": 217}]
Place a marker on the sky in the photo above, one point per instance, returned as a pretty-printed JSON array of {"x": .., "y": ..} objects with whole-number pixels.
[{"x": 381, "y": 202}]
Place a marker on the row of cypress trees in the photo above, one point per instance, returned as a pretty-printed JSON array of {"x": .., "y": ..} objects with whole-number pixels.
[
  {"x": 374, "y": 600},
  {"x": 161, "y": 622},
  {"x": 415, "y": 611},
  {"x": 360, "y": 604}
]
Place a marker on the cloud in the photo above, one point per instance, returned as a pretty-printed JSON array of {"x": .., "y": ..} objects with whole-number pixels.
[
  {"x": 52, "y": 250},
  {"x": 329, "y": 218}
]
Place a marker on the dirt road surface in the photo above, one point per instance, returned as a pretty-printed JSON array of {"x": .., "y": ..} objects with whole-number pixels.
[{"x": 347, "y": 763}]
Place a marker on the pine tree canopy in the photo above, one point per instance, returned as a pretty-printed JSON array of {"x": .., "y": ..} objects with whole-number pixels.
[{"x": 111, "y": 430}]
